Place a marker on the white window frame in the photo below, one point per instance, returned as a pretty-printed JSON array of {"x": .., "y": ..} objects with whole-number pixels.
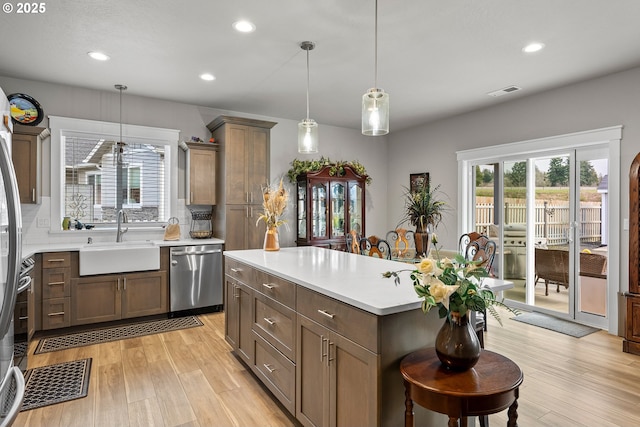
[
  {"x": 611, "y": 136},
  {"x": 63, "y": 127}
]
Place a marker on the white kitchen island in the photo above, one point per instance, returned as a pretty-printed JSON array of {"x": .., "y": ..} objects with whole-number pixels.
[{"x": 325, "y": 332}]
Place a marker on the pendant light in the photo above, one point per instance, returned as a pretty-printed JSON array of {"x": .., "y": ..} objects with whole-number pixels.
[
  {"x": 375, "y": 102},
  {"x": 307, "y": 128},
  {"x": 118, "y": 158}
]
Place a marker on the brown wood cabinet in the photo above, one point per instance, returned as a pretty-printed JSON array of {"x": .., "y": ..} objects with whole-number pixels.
[
  {"x": 26, "y": 160},
  {"x": 631, "y": 344},
  {"x": 109, "y": 297},
  {"x": 201, "y": 174},
  {"x": 329, "y": 207},
  {"x": 242, "y": 171},
  {"x": 311, "y": 350},
  {"x": 330, "y": 366},
  {"x": 56, "y": 290}
]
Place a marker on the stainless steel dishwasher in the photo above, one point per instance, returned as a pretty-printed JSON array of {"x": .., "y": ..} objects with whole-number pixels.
[{"x": 196, "y": 277}]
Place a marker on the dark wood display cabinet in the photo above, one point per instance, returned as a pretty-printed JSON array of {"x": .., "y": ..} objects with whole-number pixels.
[
  {"x": 631, "y": 344},
  {"x": 329, "y": 207}
]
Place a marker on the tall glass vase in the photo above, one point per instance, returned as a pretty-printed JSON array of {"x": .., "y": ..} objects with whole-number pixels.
[
  {"x": 422, "y": 241},
  {"x": 457, "y": 344},
  {"x": 271, "y": 241}
]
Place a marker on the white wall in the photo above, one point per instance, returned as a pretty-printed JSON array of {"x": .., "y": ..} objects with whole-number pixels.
[
  {"x": 597, "y": 103},
  {"x": 335, "y": 143}
]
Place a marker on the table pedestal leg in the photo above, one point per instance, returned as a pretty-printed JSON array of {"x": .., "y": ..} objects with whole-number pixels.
[
  {"x": 408, "y": 404},
  {"x": 484, "y": 420},
  {"x": 513, "y": 411}
]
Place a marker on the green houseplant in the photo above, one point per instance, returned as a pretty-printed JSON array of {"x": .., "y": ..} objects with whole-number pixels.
[{"x": 423, "y": 208}]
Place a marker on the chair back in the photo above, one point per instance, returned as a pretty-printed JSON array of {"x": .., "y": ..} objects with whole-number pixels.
[
  {"x": 374, "y": 246},
  {"x": 353, "y": 242},
  {"x": 478, "y": 247},
  {"x": 402, "y": 242}
]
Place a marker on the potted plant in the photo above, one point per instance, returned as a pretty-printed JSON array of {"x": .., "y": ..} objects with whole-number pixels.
[{"x": 423, "y": 209}]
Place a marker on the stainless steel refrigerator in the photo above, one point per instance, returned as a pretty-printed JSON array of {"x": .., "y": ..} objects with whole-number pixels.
[{"x": 12, "y": 385}]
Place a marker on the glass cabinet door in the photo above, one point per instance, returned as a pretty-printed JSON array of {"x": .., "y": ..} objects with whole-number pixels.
[
  {"x": 318, "y": 210},
  {"x": 355, "y": 207},
  {"x": 302, "y": 210},
  {"x": 337, "y": 209}
]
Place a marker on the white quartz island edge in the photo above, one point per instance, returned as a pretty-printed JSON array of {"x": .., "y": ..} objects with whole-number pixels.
[{"x": 353, "y": 279}]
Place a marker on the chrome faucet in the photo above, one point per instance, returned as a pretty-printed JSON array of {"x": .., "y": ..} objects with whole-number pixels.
[{"x": 122, "y": 217}]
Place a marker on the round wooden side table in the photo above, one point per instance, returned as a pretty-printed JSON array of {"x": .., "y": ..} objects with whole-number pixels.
[{"x": 491, "y": 386}]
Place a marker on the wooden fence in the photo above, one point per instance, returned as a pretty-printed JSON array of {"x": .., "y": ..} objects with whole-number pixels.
[{"x": 551, "y": 222}]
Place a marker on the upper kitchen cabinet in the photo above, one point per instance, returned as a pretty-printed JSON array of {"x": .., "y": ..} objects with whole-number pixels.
[
  {"x": 241, "y": 173},
  {"x": 201, "y": 173},
  {"x": 26, "y": 160}
]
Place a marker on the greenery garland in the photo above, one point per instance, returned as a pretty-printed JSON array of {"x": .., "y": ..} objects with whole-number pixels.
[{"x": 300, "y": 167}]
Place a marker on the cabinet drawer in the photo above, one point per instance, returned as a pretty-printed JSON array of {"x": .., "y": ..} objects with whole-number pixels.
[
  {"x": 350, "y": 322},
  {"x": 56, "y": 282},
  {"x": 56, "y": 259},
  {"x": 55, "y": 313},
  {"x": 275, "y": 323},
  {"x": 239, "y": 271},
  {"x": 280, "y": 290},
  {"x": 276, "y": 371}
]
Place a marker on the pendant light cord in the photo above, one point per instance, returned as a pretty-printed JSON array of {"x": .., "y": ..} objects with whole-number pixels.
[
  {"x": 375, "y": 75},
  {"x": 307, "y": 84}
]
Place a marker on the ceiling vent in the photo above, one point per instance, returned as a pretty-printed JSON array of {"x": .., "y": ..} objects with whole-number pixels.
[{"x": 504, "y": 91}]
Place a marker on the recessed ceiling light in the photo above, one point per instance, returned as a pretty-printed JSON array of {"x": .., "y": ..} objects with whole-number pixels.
[
  {"x": 208, "y": 77},
  {"x": 533, "y": 47},
  {"x": 98, "y": 56},
  {"x": 244, "y": 26}
]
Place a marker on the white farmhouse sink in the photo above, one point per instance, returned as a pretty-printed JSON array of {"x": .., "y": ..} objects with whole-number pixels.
[{"x": 120, "y": 257}]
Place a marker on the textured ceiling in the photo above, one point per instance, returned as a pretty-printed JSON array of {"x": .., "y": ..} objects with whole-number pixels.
[{"x": 436, "y": 58}]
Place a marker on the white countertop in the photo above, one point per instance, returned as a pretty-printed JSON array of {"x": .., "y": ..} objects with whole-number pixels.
[
  {"x": 28, "y": 250},
  {"x": 354, "y": 279}
]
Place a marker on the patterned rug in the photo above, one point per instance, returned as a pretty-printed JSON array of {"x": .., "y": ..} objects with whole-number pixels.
[
  {"x": 58, "y": 383},
  {"x": 117, "y": 333}
]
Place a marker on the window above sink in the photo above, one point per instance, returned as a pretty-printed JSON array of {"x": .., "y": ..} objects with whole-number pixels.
[{"x": 91, "y": 182}]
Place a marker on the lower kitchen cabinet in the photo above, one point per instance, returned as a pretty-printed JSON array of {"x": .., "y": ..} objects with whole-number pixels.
[
  {"x": 336, "y": 379},
  {"x": 238, "y": 314},
  {"x": 109, "y": 297}
]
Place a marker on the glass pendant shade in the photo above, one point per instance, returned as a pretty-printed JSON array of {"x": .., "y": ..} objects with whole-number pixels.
[
  {"x": 308, "y": 136},
  {"x": 375, "y": 112}
]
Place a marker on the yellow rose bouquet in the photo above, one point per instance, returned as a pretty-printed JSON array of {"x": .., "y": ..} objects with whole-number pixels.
[{"x": 453, "y": 285}]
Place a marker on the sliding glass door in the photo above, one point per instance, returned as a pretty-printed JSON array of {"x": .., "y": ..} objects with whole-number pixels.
[{"x": 548, "y": 213}]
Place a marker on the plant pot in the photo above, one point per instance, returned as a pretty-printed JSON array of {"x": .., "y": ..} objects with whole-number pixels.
[
  {"x": 422, "y": 238},
  {"x": 271, "y": 241},
  {"x": 457, "y": 345}
]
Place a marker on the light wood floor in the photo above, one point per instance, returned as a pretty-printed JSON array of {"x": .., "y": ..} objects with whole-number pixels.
[{"x": 189, "y": 378}]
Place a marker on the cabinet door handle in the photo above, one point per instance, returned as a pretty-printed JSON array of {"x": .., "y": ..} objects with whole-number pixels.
[
  {"x": 125, "y": 283},
  {"x": 269, "y": 321},
  {"x": 246, "y": 198},
  {"x": 268, "y": 286},
  {"x": 326, "y": 313},
  {"x": 60, "y": 313},
  {"x": 23, "y": 318},
  {"x": 268, "y": 368},
  {"x": 236, "y": 294},
  {"x": 329, "y": 358},
  {"x": 33, "y": 194},
  {"x": 55, "y": 283},
  {"x": 118, "y": 287},
  {"x": 322, "y": 341}
]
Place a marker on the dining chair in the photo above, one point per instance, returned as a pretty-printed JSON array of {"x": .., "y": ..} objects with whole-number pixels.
[
  {"x": 353, "y": 242},
  {"x": 402, "y": 242},
  {"x": 376, "y": 247},
  {"x": 478, "y": 247}
]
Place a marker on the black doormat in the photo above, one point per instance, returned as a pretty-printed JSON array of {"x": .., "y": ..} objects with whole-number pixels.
[
  {"x": 555, "y": 324},
  {"x": 117, "y": 333},
  {"x": 57, "y": 383}
]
